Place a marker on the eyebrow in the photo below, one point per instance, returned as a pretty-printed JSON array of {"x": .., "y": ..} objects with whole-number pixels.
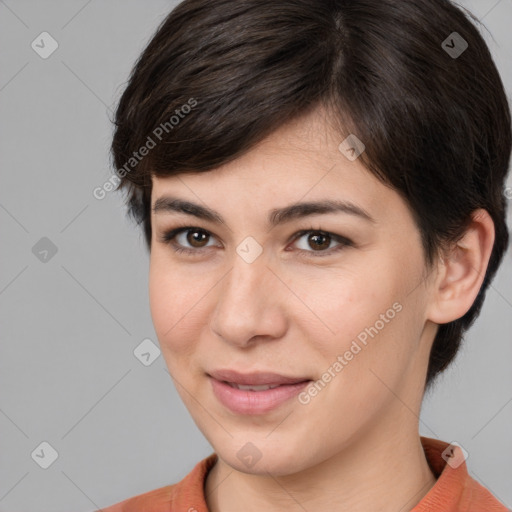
[{"x": 275, "y": 217}]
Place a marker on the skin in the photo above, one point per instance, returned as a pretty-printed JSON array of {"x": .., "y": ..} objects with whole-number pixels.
[{"x": 355, "y": 446}]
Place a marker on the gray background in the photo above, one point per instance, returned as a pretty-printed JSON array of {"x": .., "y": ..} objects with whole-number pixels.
[{"x": 69, "y": 326}]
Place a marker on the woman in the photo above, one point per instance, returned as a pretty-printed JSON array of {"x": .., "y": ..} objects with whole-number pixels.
[{"x": 321, "y": 188}]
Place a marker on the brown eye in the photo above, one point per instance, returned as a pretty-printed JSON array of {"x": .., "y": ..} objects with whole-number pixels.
[
  {"x": 188, "y": 239},
  {"x": 196, "y": 237},
  {"x": 318, "y": 241}
]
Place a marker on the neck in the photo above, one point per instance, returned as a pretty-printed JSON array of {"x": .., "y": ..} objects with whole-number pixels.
[{"x": 383, "y": 470}]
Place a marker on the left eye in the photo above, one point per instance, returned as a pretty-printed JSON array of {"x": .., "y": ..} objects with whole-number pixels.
[
  {"x": 319, "y": 239},
  {"x": 322, "y": 240}
]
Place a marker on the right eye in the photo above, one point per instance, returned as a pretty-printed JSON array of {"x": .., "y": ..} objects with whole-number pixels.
[{"x": 192, "y": 236}]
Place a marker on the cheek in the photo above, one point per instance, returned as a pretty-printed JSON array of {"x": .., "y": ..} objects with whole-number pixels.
[
  {"x": 165, "y": 300},
  {"x": 368, "y": 319},
  {"x": 160, "y": 299},
  {"x": 176, "y": 306},
  {"x": 345, "y": 303}
]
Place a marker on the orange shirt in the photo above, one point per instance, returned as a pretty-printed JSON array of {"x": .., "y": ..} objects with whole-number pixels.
[{"x": 454, "y": 490}]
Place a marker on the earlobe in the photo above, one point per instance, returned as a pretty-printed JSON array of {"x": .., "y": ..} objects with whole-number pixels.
[{"x": 462, "y": 271}]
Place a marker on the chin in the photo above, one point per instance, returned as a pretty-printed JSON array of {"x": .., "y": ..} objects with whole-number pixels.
[{"x": 260, "y": 457}]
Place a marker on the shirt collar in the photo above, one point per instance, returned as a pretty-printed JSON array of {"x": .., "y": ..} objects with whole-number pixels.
[{"x": 451, "y": 491}]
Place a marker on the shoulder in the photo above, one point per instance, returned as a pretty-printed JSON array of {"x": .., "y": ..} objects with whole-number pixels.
[
  {"x": 186, "y": 496},
  {"x": 480, "y": 498},
  {"x": 455, "y": 490},
  {"x": 156, "y": 500}
]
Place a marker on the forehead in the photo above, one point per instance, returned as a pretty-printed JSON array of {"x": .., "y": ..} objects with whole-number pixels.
[{"x": 301, "y": 161}]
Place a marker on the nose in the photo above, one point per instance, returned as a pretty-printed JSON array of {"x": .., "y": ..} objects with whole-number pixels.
[{"x": 250, "y": 303}]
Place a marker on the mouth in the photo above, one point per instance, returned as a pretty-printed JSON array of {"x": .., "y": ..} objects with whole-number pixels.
[
  {"x": 256, "y": 398},
  {"x": 254, "y": 379},
  {"x": 253, "y": 388}
]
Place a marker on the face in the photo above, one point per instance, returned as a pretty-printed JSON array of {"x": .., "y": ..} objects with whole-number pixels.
[{"x": 342, "y": 305}]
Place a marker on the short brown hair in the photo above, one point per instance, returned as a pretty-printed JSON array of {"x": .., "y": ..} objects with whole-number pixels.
[{"x": 436, "y": 125}]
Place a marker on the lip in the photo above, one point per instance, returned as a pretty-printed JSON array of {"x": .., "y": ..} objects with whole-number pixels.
[
  {"x": 250, "y": 402},
  {"x": 254, "y": 378},
  {"x": 254, "y": 402}
]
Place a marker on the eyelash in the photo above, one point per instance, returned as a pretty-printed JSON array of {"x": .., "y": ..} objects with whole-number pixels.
[{"x": 169, "y": 235}]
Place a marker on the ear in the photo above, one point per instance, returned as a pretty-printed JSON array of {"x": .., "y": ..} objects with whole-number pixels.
[{"x": 461, "y": 271}]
